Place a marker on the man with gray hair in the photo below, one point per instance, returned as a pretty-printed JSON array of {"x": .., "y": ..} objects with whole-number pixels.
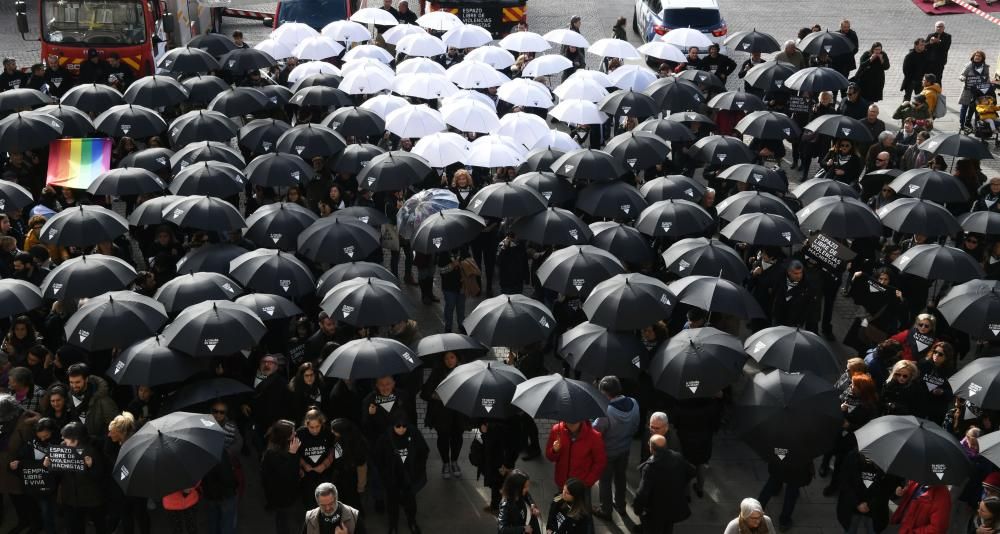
[
  {"x": 330, "y": 515},
  {"x": 791, "y": 54}
]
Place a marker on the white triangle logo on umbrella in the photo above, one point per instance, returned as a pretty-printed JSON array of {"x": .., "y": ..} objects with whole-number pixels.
[
  {"x": 759, "y": 346},
  {"x": 666, "y": 225},
  {"x": 544, "y": 322},
  {"x": 757, "y": 177},
  {"x": 547, "y": 194},
  {"x": 275, "y": 238},
  {"x": 974, "y": 388},
  {"x": 488, "y": 404},
  {"x": 161, "y": 160},
  {"x": 285, "y": 285},
  {"x": 371, "y": 180},
  {"x": 119, "y": 366},
  {"x": 56, "y": 288},
  {"x": 995, "y": 328},
  {"x": 665, "y": 299},
  {"x": 268, "y": 310},
  {"x": 693, "y": 385},
  {"x": 779, "y": 83},
  {"x": 632, "y": 161},
  {"x": 746, "y": 45},
  {"x": 787, "y": 236},
  {"x": 228, "y": 287},
  {"x": 939, "y": 469},
  {"x": 477, "y": 203},
  {"x": 53, "y": 232},
  {"x": 574, "y": 234},
  {"x": 349, "y": 251},
  {"x": 346, "y": 310},
  {"x": 407, "y": 357},
  {"x": 637, "y": 362},
  {"x": 780, "y": 453},
  {"x": 689, "y": 192},
  {"x": 206, "y": 423},
  {"x": 739, "y": 105},
  {"x": 437, "y": 242},
  {"x": 568, "y": 168},
  {"x": 126, "y": 128},
  {"x": 683, "y": 265},
  {"x": 210, "y": 344},
  {"x": 626, "y": 208},
  {"x": 83, "y": 334},
  {"x": 788, "y": 131},
  {"x": 295, "y": 175},
  {"x": 267, "y": 145},
  {"x": 847, "y": 131},
  {"x": 913, "y": 188},
  {"x": 299, "y": 149},
  {"x": 626, "y": 109},
  {"x": 722, "y": 157},
  {"x": 177, "y": 213},
  {"x": 578, "y": 283},
  {"x": 124, "y": 473},
  {"x": 827, "y": 48}
]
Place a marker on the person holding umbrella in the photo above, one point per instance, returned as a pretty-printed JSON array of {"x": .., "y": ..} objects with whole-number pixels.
[
  {"x": 842, "y": 162},
  {"x": 381, "y": 407},
  {"x": 863, "y": 497},
  {"x": 922, "y": 508},
  {"x": 452, "y": 272},
  {"x": 502, "y": 440},
  {"x": 401, "y": 456},
  {"x": 270, "y": 398},
  {"x": 577, "y": 450},
  {"x": 935, "y": 370},
  {"x": 518, "y": 513},
  {"x": 124, "y": 509},
  {"x": 449, "y": 424}
]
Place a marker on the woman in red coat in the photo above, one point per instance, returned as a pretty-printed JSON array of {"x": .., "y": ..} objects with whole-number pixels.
[
  {"x": 923, "y": 509},
  {"x": 917, "y": 340}
]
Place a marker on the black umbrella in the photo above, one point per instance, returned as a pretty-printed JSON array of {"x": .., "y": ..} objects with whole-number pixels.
[
  {"x": 186, "y": 290},
  {"x": 352, "y": 270},
  {"x": 978, "y": 382},
  {"x": 92, "y": 97},
  {"x": 155, "y": 159},
  {"x": 126, "y": 181},
  {"x": 929, "y": 184},
  {"x": 277, "y": 96},
  {"x": 244, "y": 60},
  {"x": 973, "y": 308},
  {"x": 322, "y": 79},
  {"x": 672, "y": 186},
  {"x": 939, "y": 262},
  {"x": 588, "y": 165},
  {"x": 958, "y": 145},
  {"x": 238, "y": 101},
  {"x": 202, "y": 125},
  {"x": 756, "y": 176},
  {"x": 746, "y": 202},
  {"x": 169, "y": 454},
  {"x": 668, "y": 130},
  {"x": 216, "y": 44},
  {"x": 708, "y": 257},
  {"x": 13, "y": 196},
  {"x": 629, "y": 103},
  {"x": 752, "y": 41},
  {"x": 840, "y": 217},
  {"x": 150, "y": 362},
  {"x": 597, "y": 352},
  {"x": 718, "y": 295},
  {"x": 833, "y": 43},
  {"x": 815, "y": 188},
  {"x": 22, "y": 99},
  {"x": 83, "y": 226},
  {"x": 355, "y": 157},
  {"x": 209, "y": 258},
  {"x": 157, "y": 91},
  {"x": 625, "y": 242},
  {"x": 510, "y": 321},
  {"x": 697, "y": 363},
  {"x": 393, "y": 171},
  {"x": 540, "y": 159},
  {"x": 554, "y": 226},
  {"x": 914, "y": 449},
  {"x": 768, "y": 125},
  {"x": 817, "y": 79},
  {"x": 763, "y": 229},
  {"x": 737, "y": 101},
  {"x": 201, "y": 151},
  {"x": 788, "y": 415},
  {"x": 447, "y": 230},
  {"x": 365, "y": 214},
  {"x": 449, "y": 342},
  {"x": 481, "y": 389},
  {"x": 366, "y": 302},
  {"x": 130, "y": 120},
  {"x": 703, "y": 79},
  {"x": 279, "y": 170},
  {"x": 260, "y": 135},
  {"x": 187, "y": 60},
  {"x": 721, "y": 150},
  {"x": 370, "y": 357},
  {"x": 75, "y": 122},
  {"x": 674, "y": 218},
  {"x": 336, "y": 240},
  {"x": 204, "y": 213},
  {"x": 267, "y": 270},
  {"x": 628, "y": 302},
  {"x": 206, "y": 391},
  {"x": 611, "y": 200},
  {"x": 675, "y": 94},
  {"x": 575, "y": 270},
  {"x": 563, "y": 399},
  {"x": 18, "y": 296},
  {"x": 916, "y": 216},
  {"x": 638, "y": 150},
  {"x": 872, "y": 182},
  {"x": 150, "y": 211},
  {"x": 981, "y": 222},
  {"x": 270, "y": 307},
  {"x": 214, "y": 327},
  {"x": 506, "y": 199},
  {"x": 20, "y": 132},
  {"x": 353, "y": 121},
  {"x": 278, "y": 225},
  {"x": 114, "y": 319},
  {"x": 87, "y": 276},
  {"x": 210, "y": 178},
  {"x": 692, "y": 117},
  {"x": 310, "y": 140},
  {"x": 770, "y": 76},
  {"x": 202, "y": 89},
  {"x": 793, "y": 350},
  {"x": 840, "y": 127},
  {"x": 553, "y": 189}
]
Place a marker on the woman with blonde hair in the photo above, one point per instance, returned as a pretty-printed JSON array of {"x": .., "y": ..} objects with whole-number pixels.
[
  {"x": 917, "y": 340},
  {"x": 901, "y": 394},
  {"x": 751, "y": 520},
  {"x": 123, "y": 511},
  {"x": 463, "y": 187}
]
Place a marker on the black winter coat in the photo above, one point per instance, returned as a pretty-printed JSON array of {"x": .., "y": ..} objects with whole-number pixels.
[
  {"x": 861, "y": 481},
  {"x": 660, "y": 498},
  {"x": 501, "y": 444},
  {"x": 402, "y": 460},
  {"x": 280, "y": 472},
  {"x": 513, "y": 516}
]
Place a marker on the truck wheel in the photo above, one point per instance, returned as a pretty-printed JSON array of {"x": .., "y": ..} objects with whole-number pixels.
[{"x": 635, "y": 22}]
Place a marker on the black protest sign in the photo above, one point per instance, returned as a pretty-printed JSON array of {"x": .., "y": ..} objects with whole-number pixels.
[
  {"x": 36, "y": 478},
  {"x": 66, "y": 459},
  {"x": 830, "y": 254},
  {"x": 798, "y": 104}
]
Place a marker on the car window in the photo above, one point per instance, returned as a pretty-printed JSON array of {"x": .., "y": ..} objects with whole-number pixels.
[
  {"x": 654, "y": 5},
  {"x": 692, "y": 17}
]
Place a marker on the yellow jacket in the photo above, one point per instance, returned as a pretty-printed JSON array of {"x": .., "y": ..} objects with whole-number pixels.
[
  {"x": 987, "y": 111},
  {"x": 931, "y": 93}
]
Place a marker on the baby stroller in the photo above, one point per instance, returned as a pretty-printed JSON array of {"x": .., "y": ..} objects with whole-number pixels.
[{"x": 986, "y": 119}]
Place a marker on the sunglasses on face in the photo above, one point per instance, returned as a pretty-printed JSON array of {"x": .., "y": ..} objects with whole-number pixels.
[{"x": 923, "y": 325}]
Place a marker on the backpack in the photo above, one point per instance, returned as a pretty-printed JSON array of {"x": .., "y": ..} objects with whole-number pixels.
[{"x": 941, "y": 108}]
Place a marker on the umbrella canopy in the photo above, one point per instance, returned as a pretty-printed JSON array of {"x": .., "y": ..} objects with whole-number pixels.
[
  {"x": 638, "y": 150},
  {"x": 611, "y": 200},
  {"x": 575, "y": 270},
  {"x": 150, "y": 362},
  {"x": 524, "y": 42},
  {"x": 553, "y": 189},
  {"x": 422, "y": 205},
  {"x": 668, "y": 130},
  {"x": 492, "y": 151},
  {"x": 447, "y": 230},
  {"x": 506, "y": 199},
  {"x": 525, "y": 93},
  {"x": 630, "y": 77},
  {"x": 553, "y": 226},
  {"x": 320, "y": 96},
  {"x": 578, "y": 111},
  {"x": 588, "y": 165},
  {"x": 279, "y": 170},
  {"x": 939, "y": 262},
  {"x": 206, "y": 391},
  {"x": 336, "y": 240},
  {"x": 18, "y": 296},
  {"x": 13, "y": 196},
  {"x": 788, "y": 415},
  {"x": 75, "y": 122},
  {"x": 707, "y": 257},
  {"x": 441, "y": 149},
  {"x": 956, "y": 144},
  {"x": 628, "y": 302},
  {"x": 610, "y": 47},
  {"x": 210, "y": 178},
  {"x": 815, "y": 188},
  {"x": 978, "y": 382},
  {"x": 24, "y": 131},
  {"x": 764, "y": 229},
  {"x": 629, "y": 103},
  {"x": 151, "y": 211},
  {"x": 697, "y": 363},
  {"x": 355, "y": 121},
  {"x": 114, "y": 320},
  {"x": 494, "y": 56},
  {"x": 737, "y": 101},
  {"x": 83, "y": 226},
  {"x": 768, "y": 125},
  {"x": 87, "y": 276},
  {"x": 349, "y": 271},
  {"x": 214, "y": 327},
  {"x": 356, "y": 157},
  {"x": 929, "y": 184},
  {"x": 673, "y": 186},
  {"x": 309, "y": 141},
  {"x": 674, "y": 218},
  {"x": 278, "y": 225},
  {"x": 721, "y": 150},
  {"x": 840, "y": 217},
  {"x": 817, "y": 79},
  {"x": 209, "y": 258},
  {"x": 393, "y": 171},
  {"x": 470, "y": 74},
  {"x": 242, "y": 60},
  {"x": 756, "y": 176},
  {"x": 840, "y": 127},
  {"x": 752, "y": 41},
  {"x": 370, "y": 357},
  {"x": 270, "y": 307},
  {"x": 239, "y": 101},
  {"x": 716, "y": 295},
  {"x": 202, "y": 151},
  {"x": 22, "y": 98},
  {"x": 675, "y": 94},
  {"x": 92, "y": 97},
  {"x": 556, "y": 397},
  {"x": 625, "y": 242},
  {"x": 268, "y": 270},
  {"x": 973, "y": 308},
  {"x": 833, "y": 43},
  {"x": 169, "y": 454},
  {"x": 184, "y": 291},
  {"x": 914, "y": 449},
  {"x": 981, "y": 222},
  {"x": 158, "y": 91},
  {"x": 204, "y": 213},
  {"x": 598, "y": 352},
  {"x": 449, "y": 342},
  {"x": 202, "y": 125},
  {"x": 187, "y": 60},
  {"x": 746, "y": 202},
  {"x": 703, "y": 79},
  {"x": 322, "y": 79},
  {"x": 481, "y": 389},
  {"x": 510, "y": 321},
  {"x": 130, "y": 120},
  {"x": 216, "y": 44},
  {"x": 916, "y": 216},
  {"x": 415, "y": 121},
  {"x": 364, "y": 302},
  {"x": 661, "y": 50},
  {"x": 151, "y": 159},
  {"x": 793, "y": 350},
  {"x": 126, "y": 181},
  {"x": 467, "y": 36},
  {"x": 202, "y": 89},
  {"x": 685, "y": 38},
  {"x": 770, "y": 75}
]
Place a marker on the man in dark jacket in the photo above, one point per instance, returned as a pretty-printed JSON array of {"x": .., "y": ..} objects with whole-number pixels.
[
  {"x": 938, "y": 46},
  {"x": 845, "y": 63},
  {"x": 93, "y": 70},
  {"x": 512, "y": 265},
  {"x": 854, "y": 106},
  {"x": 57, "y": 76},
  {"x": 718, "y": 64},
  {"x": 90, "y": 401},
  {"x": 660, "y": 498},
  {"x": 270, "y": 397},
  {"x": 12, "y": 78},
  {"x": 795, "y": 300},
  {"x": 916, "y": 63}
]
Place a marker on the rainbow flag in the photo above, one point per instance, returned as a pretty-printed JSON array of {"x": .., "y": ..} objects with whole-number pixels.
[{"x": 75, "y": 163}]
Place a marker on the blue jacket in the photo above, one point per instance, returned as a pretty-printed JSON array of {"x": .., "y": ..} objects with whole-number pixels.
[{"x": 619, "y": 426}]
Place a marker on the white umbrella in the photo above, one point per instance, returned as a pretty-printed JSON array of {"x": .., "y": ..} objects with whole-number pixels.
[
  {"x": 308, "y": 69},
  {"x": 494, "y": 56},
  {"x": 495, "y": 151},
  {"x": 365, "y": 81},
  {"x": 470, "y": 116},
  {"x": 274, "y": 48},
  {"x": 685, "y": 38},
  {"x": 467, "y": 36},
  {"x": 664, "y": 51},
  {"x": 580, "y": 88},
  {"x": 394, "y": 34},
  {"x": 441, "y": 149},
  {"x": 375, "y": 16},
  {"x": 420, "y": 64},
  {"x": 348, "y": 31},
  {"x": 546, "y": 65},
  {"x": 472, "y": 74},
  {"x": 526, "y": 93},
  {"x": 415, "y": 121},
  {"x": 594, "y": 76},
  {"x": 566, "y": 36},
  {"x": 524, "y": 42},
  {"x": 317, "y": 48},
  {"x": 611, "y": 47},
  {"x": 465, "y": 94},
  {"x": 577, "y": 111},
  {"x": 634, "y": 77},
  {"x": 527, "y": 128},
  {"x": 368, "y": 51},
  {"x": 290, "y": 33},
  {"x": 421, "y": 44},
  {"x": 557, "y": 140},
  {"x": 441, "y": 21},
  {"x": 367, "y": 62},
  {"x": 383, "y": 105},
  {"x": 423, "y": 85}
]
